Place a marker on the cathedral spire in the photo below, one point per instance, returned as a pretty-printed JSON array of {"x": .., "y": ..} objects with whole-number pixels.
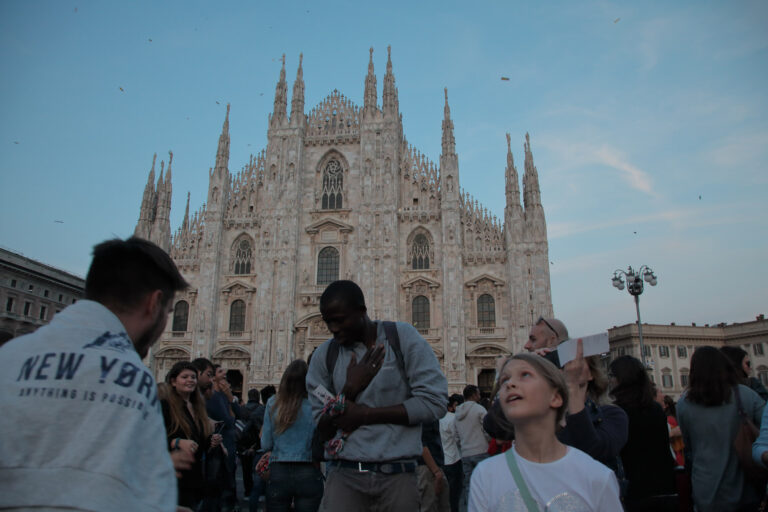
[
  {"x": 531, "y": 192},
  {"x": 147, "y": 211},
  {"x": 369, "y": 101},
  {"x": 185, "y": 222},
  {"x": 222, "y": 152},
  {"x": 390, "y": 102},
  {"x": 281, "y": 96},
  {"x": 297, "y": 101},
  {"x": 511, "y": 178},
  {"x": 449, "y": 143}
]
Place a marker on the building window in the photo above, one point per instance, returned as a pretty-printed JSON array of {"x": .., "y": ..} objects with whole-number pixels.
[
  {"x": 762, "y": 374},
  {"x": 421, "y": 313},
  {"x": 622, "y": 351},
  {"x": 27, "y": 307},
  {"x": 242, "y": 258},
  {"x": 327, "y": 265},
  {"x": 61, "y": 298},
  {"x": 663, "y": 351},
  {"x": 420, "y": 253},
  {"x": 237, "y": 316},
  {"x": 333, "y": 177},
  {"x": 180, "y": 316},
  {"x": 43, "y": 312},
  {"x": 682, "y": 352},
  {"x": 486, "y": 311},
  {"x": 31, "y": 287},
  {"x": 646, "y": 351},
  {"x": 684, "y": 380},
  {"x": 45, "y": 293},
  {"x": 13, "y": 283},
  {"x": 666, "y": 380},
  {"x": 758, "y": 349},
  {"x": 74, "y": 300},
  {"x": 9, "y": 305}
]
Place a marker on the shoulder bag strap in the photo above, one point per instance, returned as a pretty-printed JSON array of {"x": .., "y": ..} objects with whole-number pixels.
[
  {"x": 530, "y": 503},
  {"x": 393, "y": 338},
  {"x": 330, "y": 361},
  {"x": 739, "y": 408}
]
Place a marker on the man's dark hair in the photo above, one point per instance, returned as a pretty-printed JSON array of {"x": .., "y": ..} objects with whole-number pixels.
[
  {"x": 455, "y": 399},
  {"x": 253, "y": 395},
  {"x": 266, "y": 392},
  {"x": 346, "y": 291},
  {"x": 469, "y": 391},
  {"x": 202, "y": 364},
  {"x": 124, "y": 271}
]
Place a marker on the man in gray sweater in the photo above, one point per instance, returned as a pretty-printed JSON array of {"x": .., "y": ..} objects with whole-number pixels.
[
  {"x": 473, "y": 441},
  {"x": 387, "y": 394}
]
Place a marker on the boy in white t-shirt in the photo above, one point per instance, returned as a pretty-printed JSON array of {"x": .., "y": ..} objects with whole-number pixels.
[{"x": 534, "y": 398}]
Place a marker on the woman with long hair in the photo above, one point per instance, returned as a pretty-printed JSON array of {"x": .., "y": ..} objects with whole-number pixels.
[
  {"x": 287, "y": 432},
  {"x": 647, "y": 459},
  {"x": 709, "y": 420},
  {"x": 743, "y": 368},
  {"x": 187, "y": 428}
]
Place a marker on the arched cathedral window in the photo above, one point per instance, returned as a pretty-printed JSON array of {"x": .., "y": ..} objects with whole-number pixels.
[
  {"x": 241, "y": 261},
  {"x": 420, "y": 252},
  {"x": 180, "y": 316},
  {"x": 327, "y": 265},
  {"x": 237, "y": 316},
  {"x": 420, "y": 313},
  {"x": 333, "y": 176},
  {"x": 486, "y": 311}
]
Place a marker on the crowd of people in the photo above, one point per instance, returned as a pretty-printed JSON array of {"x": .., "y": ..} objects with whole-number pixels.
[{"x": 365, "y": 424}]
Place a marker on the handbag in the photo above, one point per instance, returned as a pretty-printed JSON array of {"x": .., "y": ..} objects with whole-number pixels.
[{"x": 742, "y": 443}]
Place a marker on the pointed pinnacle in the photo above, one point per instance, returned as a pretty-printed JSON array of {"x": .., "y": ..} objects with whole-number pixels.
[{"x": 509, "y": 143}]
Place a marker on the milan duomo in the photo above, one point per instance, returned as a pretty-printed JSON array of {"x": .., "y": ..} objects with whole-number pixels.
[{"x": 339, "y": 193}]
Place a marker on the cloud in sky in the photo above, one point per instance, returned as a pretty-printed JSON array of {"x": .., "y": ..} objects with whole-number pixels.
[{"x": 579, "y": 155}]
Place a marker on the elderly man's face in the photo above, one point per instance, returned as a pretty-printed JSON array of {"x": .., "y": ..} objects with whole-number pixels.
[{"x": 540, "y": 336}]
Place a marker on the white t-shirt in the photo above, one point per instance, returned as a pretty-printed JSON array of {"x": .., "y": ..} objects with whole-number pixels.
[{"x": 574, "y": 483}]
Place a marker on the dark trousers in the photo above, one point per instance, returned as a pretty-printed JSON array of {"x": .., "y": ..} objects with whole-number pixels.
[
  {"x": 300, "y": 483},
  {"x": 455, "y": 475},
  {"x": 246, "y": 464}
]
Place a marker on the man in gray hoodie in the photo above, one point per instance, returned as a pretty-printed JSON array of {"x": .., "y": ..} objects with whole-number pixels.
[
  {"x": 473, "y": 441},
  {"x": 81, "y": 427}
]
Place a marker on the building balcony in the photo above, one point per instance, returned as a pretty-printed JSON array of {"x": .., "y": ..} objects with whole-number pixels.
[
  {"x": 235, "y": 336},
  {"x": 490, "y": 332}
]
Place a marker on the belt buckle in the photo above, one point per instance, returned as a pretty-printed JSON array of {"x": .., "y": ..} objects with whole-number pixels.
[{"x": 360, "y": 468}]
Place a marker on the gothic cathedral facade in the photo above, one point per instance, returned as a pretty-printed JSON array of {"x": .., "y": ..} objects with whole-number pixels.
[{"x": 339, "y": 193}]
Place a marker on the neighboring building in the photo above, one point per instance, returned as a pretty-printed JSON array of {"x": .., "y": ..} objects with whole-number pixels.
[
  {"x": 669, "y": 347},
  {"x": 31, "y": 293},
  {"x": 340, "y": 193}
]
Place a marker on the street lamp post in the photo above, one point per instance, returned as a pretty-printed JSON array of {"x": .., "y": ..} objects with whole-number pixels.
[{"x": 634, "y": 280}]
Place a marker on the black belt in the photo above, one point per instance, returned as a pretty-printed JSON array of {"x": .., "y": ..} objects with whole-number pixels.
[{"x": 386, "y": 468}]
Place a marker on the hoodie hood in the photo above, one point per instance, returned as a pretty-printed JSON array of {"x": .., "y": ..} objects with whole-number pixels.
[{"x": 463, "y": 410}]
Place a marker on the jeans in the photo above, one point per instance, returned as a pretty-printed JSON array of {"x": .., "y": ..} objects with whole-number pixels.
[
  {"x": 455, "y": 475},
  {"x": 300, "y": 483},
  {"x": 468, "y": 465}
]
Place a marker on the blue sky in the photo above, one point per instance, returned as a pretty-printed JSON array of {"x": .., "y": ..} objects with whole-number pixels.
[{"x": 648, "y": 124}]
